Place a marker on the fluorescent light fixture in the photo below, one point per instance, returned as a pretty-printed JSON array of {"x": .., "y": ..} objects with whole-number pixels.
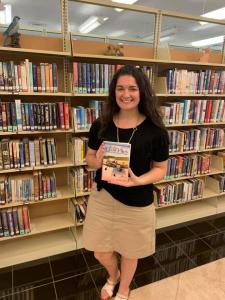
[
  {"x": 117, "y": 33},
  {"x": 210, "y": 41},
  {"x": 6, "y": 14},
  {"x": 125, "y": 1},
  {"x": 91, "y": 23},
  {"x": 218, "y": 14},
  {"x": 118, "y": 9}
]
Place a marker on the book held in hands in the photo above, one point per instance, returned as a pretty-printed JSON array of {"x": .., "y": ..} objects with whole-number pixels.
[{"x": 116, "y": 162}]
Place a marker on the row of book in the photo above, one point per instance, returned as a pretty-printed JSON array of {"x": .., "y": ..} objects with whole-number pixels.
[
  {"x": 14, "y": 221},
  {"x": 193, "y": 111},
  {"x": 95, "y": 78},
  {"x": 83, "y": 117},
  {"x": 80, "y": 146},
  {"x": 195, "y": 82},
  {"x": 27, "y": 76},
  {"x": 82, "y": 179},
  {"x": 16, "y": 116},
  {"x": 221, "y": 179},
  {"x": 80, "y": 209},
  {"x": 27, "y": 187},
  {"x": 179, "y": 192},
  {"x": 27, "y": 153},
  {"x": 195, "y": 139},
  {"x": 188, "y": 165}
]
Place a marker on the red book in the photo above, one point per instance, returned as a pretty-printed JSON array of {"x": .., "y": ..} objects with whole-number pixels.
[
  {"x": 61, "y": 115},
  {"x": 26, "y": 219},
  {"x": 39, "y": 86},
  {"x": 75, "y": 77},
  {"x": 66, "y": 115}
]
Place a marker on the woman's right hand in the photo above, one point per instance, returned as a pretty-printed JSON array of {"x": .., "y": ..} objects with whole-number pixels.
[{"x": 100, "y": 153}]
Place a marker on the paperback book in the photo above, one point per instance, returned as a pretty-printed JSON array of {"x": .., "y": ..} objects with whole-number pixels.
[{"x": 116, "y": 162}]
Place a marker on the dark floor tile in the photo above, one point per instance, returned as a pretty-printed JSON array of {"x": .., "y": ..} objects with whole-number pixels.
[
  {"x": 162, "y": 241},
  {"x": 68, "y": 264},
  {"x": 5, "y": 281},
  {"x": 42, "y": 292},
  {"x": 180, "y": 234},
  {"x": 92, "y": 262},
  {"x": 149, "y": 276},
  {"x": 80, "y": 287},
  {"x": 219, "y": 223},
  {"x": 168, "y": 254},
  {"x": 217, "y": 242},
  {"x": 146, "y": 264},
  {"x": 6, "y": 296},
  {"x": 32, "y": 274},
  {"x": 202, "y": 229},
  {"x": 201, "y": 253}
]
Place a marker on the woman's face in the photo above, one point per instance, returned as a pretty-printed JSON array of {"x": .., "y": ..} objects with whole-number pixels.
[{"x": 127, "y": 93}]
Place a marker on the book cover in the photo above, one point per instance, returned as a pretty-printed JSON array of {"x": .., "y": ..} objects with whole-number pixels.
[{"x": 116, "y": 161}]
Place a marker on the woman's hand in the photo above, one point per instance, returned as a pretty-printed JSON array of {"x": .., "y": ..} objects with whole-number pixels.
[
  {"x": 100, "y": 153},
  {"x": 133, "y": 180}
]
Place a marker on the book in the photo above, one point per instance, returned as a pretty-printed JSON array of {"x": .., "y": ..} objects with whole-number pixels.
[{"x": 116, "y": 162}]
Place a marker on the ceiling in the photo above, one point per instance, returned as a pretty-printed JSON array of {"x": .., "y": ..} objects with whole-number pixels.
[{"x": 45, "y": 14}]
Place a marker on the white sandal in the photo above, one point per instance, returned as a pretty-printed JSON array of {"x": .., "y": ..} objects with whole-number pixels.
[
  {"x": 121, "y": 297},
  {"x": 109, "y": 287}
]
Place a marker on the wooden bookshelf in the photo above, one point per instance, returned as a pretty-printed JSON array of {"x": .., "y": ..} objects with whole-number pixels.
[{"x": 35, "y": 132}]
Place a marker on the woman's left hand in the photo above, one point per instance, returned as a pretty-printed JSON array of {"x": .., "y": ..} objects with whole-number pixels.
[{"x": 133, "y": 180}]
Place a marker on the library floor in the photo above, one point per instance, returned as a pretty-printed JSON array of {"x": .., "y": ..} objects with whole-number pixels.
[{"x": 189, "y": 264}]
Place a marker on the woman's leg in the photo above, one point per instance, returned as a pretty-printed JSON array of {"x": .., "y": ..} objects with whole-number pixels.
[
  {"x": 110, "y": 262},
  {"x": 128, "y": 268}
]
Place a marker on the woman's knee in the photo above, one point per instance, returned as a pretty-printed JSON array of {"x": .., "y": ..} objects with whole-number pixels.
[{"x": 103, "y": 256}]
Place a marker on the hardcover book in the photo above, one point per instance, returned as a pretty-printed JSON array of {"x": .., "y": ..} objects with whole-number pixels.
[{"x": 116, "y": 162}]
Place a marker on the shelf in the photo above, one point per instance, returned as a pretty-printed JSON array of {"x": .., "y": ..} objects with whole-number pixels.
[
  {"x": 62, "y": 193},
  {"x": 82, "y": 194},
  {"x": 45, "y": 224},
  {"x": 81, "y": 130},
  {"x": 180, "y": 214},
  {"x": 190, "y": 95},
  {"x": 197, "y": 151},
  {"x": 195, "y": 124},
  {"x": 80, "y": 164},
  {"x": 34, "y": 51},
  {"x": 61, "y": 163},
  {"x": 213, "y": 172},
  {"x": 7, "y": 133},
  {"x": 89, "y": 95},
  {"x": 206, "y": 195},
  {"x": 18, "y": 251},
  {"x": 60, "y": 94}
]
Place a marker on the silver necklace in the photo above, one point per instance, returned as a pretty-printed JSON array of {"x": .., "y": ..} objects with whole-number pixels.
[{"x": 132, "y": 134}]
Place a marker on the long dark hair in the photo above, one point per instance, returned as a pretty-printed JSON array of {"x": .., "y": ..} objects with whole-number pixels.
[{"x": 148, "y": 104}]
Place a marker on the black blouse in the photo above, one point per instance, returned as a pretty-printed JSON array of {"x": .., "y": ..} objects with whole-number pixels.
[{"x": 149, "y": 143}]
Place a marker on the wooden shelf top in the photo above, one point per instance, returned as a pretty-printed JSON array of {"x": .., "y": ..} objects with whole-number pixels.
[
  {"x": 63, "y": 192},
  {"x": 198, "y": 151},
  {"x": 7, "y": 133},
  {"x": 190, "y": 95},
  {"x": 16, "y": 251},
  {"x": 59, "y": 94},
  {"x": 46, "y": 224},
  {"x": 195, "y": 124},
  {"x": 81, "y": 130},
  {"x": 147, "y": 60},
  {"x": 89, "y": 95},
  {"x": 82, "y": 194},
  {"x": 34, "y": 51},
  {"x": 61, "y": 163}
]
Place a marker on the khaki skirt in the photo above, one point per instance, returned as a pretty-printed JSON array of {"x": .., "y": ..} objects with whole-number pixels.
[{"x": 112, "y": 226}]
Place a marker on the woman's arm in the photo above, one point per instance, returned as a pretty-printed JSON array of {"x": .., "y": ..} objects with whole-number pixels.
[{"x": 94, "y": 158}]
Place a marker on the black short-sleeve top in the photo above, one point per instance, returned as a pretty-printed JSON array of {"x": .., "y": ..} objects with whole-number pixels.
[{"x": 149, "y": 143}]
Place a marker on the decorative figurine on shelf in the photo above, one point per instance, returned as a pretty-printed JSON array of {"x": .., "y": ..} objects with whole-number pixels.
[
  {"x": 11, "y": 35},
  {"x": 114, "y": 50},
  {"x": 205, "y": 55}
]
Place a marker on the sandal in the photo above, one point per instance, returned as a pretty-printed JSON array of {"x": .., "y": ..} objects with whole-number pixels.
[
  {"x": 121, "y": 297},
  {"x": 109, "y": 288}
]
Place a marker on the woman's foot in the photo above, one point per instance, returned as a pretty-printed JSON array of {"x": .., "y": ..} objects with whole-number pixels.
[
  {"x": 108, "y": 288},
  {"x": 120, "y": 296}
]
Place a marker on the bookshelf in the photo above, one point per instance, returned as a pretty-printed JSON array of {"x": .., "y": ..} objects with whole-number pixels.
[
  {"x": 212, "y": 201},
  {"x": 51, "y": 220}
]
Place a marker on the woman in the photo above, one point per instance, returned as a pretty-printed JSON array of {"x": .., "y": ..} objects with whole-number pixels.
[{"x": 121, "y": 217}]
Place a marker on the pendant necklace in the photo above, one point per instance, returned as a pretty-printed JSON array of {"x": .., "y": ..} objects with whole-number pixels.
[{"x": 132, "y": 134}]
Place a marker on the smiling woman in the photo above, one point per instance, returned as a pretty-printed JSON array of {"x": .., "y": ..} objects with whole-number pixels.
[{"x": 121, "y": 214}]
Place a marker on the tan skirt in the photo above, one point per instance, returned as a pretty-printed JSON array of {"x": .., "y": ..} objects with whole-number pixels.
[{"x": 113, "y": 226}]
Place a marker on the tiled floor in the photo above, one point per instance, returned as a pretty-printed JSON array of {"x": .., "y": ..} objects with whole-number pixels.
[{"x": 77, "y": 275}]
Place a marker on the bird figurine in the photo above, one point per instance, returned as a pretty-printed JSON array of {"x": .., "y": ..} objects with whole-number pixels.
[{"x": 11, "y": 34}]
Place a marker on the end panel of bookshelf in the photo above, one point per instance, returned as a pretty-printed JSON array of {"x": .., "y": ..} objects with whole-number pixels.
[{"x": 34, "y": 247}]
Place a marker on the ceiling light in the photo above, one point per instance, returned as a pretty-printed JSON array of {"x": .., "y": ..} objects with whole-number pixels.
[
  {"x": 125, "y": 1},
  {"x": 118, "y": 9},
  {"x": 218, "y": 14},
  {"x": 6, "y": 14},
  {"x": 91, "y": 23},
  {"x": 117, "y": 33},
  {"x": 211, "y": 41}
]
